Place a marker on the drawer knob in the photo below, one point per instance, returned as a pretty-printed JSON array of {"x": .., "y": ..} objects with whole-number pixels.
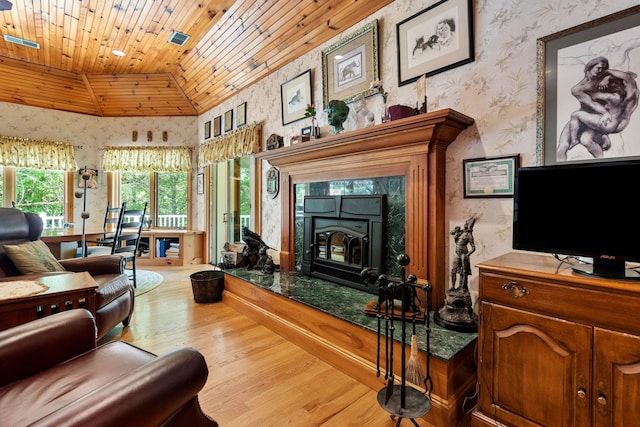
[
  {"x": 515, "y": 289},
  {"x": 582, "y": 393},
  {"x": 602, "y": 401}
]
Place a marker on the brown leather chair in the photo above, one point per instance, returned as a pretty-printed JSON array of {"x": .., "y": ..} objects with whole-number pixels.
[
  {"x": 54, "y": 374},
  {"x": 114, "y": 296}
]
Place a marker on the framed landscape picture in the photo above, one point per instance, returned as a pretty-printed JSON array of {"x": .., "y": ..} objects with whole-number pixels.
[
  {"x": 228, "y": 121},
  {"x": 295, "y": 95},
  {"x": 241, "y": 115},
  {"x": 351, "y": 65},
  {"x": 434, "y": 40},
  {"x": 588, "y": 91},
  {"x": 217, "y": 126}
]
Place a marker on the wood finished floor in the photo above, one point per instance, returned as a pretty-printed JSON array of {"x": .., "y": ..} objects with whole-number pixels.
[{"x": 256, "y": 378}]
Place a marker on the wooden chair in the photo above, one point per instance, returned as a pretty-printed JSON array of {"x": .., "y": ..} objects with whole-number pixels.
[
  {"x": 128, "y": 234},
  {"x": 112, "y": 218}
]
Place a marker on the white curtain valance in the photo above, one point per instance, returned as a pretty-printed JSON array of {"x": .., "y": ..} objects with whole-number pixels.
[
  {"x": 36, "y": 154},
  {"x": 239, "y": 143},
  {"x": 149, "y": 159}
]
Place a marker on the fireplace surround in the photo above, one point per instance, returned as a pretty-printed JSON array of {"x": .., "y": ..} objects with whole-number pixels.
[{"x": 413, "y": 147}]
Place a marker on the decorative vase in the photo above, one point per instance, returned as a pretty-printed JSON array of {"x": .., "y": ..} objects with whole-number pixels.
[{"x": 315, "y": 129}]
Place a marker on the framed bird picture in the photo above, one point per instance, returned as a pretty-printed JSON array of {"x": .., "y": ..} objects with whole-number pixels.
[{"x": 295, "y": 95}]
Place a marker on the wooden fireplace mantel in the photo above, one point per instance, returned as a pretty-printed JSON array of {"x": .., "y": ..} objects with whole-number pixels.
[{"x": 413, "y": 147}]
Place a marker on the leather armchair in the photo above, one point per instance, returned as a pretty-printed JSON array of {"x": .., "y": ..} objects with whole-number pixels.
[
  {"x": 115, "y": 294},
  {"x": 53, "y": 373}
]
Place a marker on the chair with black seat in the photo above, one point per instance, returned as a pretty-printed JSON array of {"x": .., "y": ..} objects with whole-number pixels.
[
  {"x": 112, "y": 218},
  {"x": 127, "y": 238}
]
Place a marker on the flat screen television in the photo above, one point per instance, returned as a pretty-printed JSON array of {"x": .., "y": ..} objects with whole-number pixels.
[{"x": 585, "y": 210}]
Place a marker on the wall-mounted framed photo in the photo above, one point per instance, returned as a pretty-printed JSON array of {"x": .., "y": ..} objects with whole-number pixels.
[
  {"x": 228, "y": 121},
  {"x": 200, "y": 183},
  {"x": 207, "y": 129},
  {"x": 295, "y": 94},
  {"x": 490, "y": 176},
  {"x": 92, "y": 182},
  {"x": 217, "y": 126},
  {"x": 435, "y": 39},
  {"x": 587, "y": 96},
  {"x": 351, "y": 65},
  {"x": 241, "y": 115},
  {"x": 273, "y": 182}
]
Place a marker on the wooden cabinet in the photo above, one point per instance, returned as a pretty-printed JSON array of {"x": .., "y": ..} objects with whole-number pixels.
[
  {"x": 556, "y": 348},
  {"x": 189, "y": 249}
]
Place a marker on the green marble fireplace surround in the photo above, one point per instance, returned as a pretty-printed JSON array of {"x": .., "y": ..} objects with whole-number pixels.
[{"x": 348, "y": 304}]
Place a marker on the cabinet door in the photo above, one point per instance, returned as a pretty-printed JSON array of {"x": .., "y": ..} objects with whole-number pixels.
[
  {"x": 534, "y": 370},
  {"x": 616, "y": 379}
]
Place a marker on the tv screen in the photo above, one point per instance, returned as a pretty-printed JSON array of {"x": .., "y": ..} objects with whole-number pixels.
[{"x": 582, "y": 210}]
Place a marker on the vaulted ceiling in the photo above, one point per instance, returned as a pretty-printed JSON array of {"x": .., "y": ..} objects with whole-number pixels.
[{"x": 231, "y": 45}]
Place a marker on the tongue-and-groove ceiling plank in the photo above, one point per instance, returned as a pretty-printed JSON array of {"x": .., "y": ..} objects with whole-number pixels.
[{"x": 232, "y": 44}]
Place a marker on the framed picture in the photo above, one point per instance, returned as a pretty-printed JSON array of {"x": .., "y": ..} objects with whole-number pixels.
[
  {"x": 92, "y": 182},
  {"x": 217, "y": 126},
  {"x": 434, "y": 40},
  {"x": 200, "y": 183},
  {"x": 588, "y": 90},
  {"x": 489, "y": 176},
  {"x": 241, "y": 115},
  {"x": 228, "y": 121},
  {"x": 350, "y": 65},
  {"x": 207, "y": 129},
  {"x": 295, "y": 95}
]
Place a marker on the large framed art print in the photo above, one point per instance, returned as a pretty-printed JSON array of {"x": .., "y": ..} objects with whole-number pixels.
[
  {"x": 588, "y": 91},
  {"x": 350, "y": 66},
  {"x": 434, "y": 40}
]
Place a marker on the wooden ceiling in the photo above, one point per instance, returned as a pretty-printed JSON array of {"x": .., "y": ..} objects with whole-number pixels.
[{"x": 232, "y": 45}]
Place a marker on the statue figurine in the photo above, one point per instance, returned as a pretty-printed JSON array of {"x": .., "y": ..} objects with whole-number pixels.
[
  {"x": 255, "y": 249},
  {"x": 337, "y": 113},
  {"x": 461, "y": 268},
  {"x": 457, "y": 313}
]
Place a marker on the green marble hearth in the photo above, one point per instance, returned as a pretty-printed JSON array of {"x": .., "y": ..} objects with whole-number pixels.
[{"x": 348, "y": 304}]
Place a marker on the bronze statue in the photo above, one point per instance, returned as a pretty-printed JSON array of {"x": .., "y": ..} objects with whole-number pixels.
[
  {"x": 461, "y": 266},
  {"x": 457, "y": 313}
]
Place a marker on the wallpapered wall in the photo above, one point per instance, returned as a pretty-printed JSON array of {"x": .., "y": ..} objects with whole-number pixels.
[
  {"x": 89, "y": 134},
  {"x": 498, "y": 90}
]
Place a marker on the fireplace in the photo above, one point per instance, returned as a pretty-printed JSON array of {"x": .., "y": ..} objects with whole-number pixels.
[
  {"x": 413, "y": 147},
  {"x": 343, "y": 235}
]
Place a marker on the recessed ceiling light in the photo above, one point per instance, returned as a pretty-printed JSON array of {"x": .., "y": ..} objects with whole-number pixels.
[
  {"x": 118, "y": 52},
  {"x": 338, "y": 57}
]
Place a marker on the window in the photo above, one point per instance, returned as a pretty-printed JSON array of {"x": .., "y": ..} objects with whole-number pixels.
[
  {"x": 40, "y": 192},
  {"x": 166, "y": 193},
  {"x": 172, "y": 200}
]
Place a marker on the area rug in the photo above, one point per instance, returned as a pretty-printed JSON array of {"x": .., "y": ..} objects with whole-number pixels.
[{"x": 147, "y": 281}]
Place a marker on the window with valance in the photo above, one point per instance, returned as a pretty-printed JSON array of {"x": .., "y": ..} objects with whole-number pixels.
[
  {"x": 239, "y": 143},
  {"x": 36, "y": 154},
  {"x": 147, "y": 159}
]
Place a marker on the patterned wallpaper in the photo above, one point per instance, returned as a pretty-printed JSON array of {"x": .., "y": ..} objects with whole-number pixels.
[{"x": 498, "y": 90}]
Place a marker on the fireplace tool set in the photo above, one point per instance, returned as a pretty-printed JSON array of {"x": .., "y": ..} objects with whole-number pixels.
[{"x": 402, "y": 400}]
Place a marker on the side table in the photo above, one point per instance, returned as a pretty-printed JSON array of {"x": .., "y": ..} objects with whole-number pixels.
[{"x": 65, "y": 292}]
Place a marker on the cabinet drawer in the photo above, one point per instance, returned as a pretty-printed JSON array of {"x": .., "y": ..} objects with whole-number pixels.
[{"x": 586, "y": 305}]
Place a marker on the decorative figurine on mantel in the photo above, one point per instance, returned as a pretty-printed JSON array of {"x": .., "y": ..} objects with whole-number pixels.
[
  {"x": 337, "y": 113},
  {"x": 457, "y": 313}
]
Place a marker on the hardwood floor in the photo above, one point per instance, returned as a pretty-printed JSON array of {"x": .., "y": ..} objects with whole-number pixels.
[{"x": 256, "y": 377}]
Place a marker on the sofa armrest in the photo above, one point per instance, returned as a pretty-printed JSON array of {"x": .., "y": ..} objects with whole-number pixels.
[
  {"x": 38, "y": 345},
  {"x": 95, "y": 265},
  {"x": 146, "y": 396}
]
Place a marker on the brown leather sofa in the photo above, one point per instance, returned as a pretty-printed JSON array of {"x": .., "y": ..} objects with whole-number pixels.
[
  {"x": 114, "y": 295},
  {"x": 53, "y": 374}
]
